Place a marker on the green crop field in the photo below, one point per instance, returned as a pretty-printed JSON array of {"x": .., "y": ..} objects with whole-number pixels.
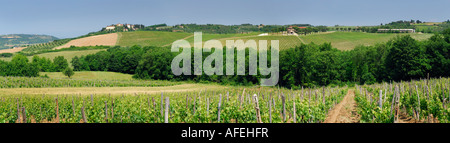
[
  {"x": 206, "y": 37},
  {"x": 204, "y": 104},
  {"x": 348, "y": 40},
  {"x": 150, "y": 38},
  {"x": 67, "y": 55},
  {"x": 284, "y": 41},
  {"x": 94, "y": 75}
]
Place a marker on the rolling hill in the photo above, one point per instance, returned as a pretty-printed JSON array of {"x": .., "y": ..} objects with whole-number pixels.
[
  {"x": 150, "y": 38},
  {"x": 18, "y": 40},
  {"x": 104, "y": 40},
  {"x": 348, "y": 40},
  {"x": 339, "y": 40},
  {"x": 67, "y": 55}
]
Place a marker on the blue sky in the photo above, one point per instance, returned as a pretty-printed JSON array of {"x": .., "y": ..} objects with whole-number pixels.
[{"x": 65, "y": 19}]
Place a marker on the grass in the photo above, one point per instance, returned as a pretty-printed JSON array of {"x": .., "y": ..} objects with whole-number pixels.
[
  {"x": 80, "y": 81},
  {"x": 206, "y": 36},
  {"x": 284, "y": 41},
  {"x": 67, "y": 55},
  {"x": 109, "y": 90},
  {"x": 349, "y": 40},
  {"x": 339, "y": 40},
  {"x": 150, "y": 38},
  {"x": 92, "y": 75},
  {"x": 159, "y": 38}
]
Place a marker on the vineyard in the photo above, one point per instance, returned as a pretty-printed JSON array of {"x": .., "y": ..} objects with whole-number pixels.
[
  {"x": 234, "y": 105},
  {"x": 45, "y": 46},
  {"x": 40, "y": 82},
  {"x": 423, "y": 101}
]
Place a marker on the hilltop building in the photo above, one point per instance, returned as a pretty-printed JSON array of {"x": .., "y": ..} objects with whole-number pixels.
[
  {"x": 110, "y": 28},
  {"x": 291, "y": 31},
  {"x": 398, "y": 30},
  {"x": 122, "y": 27}
]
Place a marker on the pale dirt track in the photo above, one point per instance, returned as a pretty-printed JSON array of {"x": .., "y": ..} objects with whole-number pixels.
[
  {"x": 12, "y": 50},
  {"x": 344, "y": 112},
  {"x": 108, "y": 90},
  {"x": 105, "y": 40}
]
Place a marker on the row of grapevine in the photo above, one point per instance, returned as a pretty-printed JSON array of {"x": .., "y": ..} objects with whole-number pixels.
[
  {"x": 39, "y": 82},
  {"x": 424, "y": 101},
  {"x": 46, "y": 46},
  {"x": 235, "y": 105}
]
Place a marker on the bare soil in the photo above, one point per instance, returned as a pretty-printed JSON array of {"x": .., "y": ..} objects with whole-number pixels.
[
  {"x": 105, "y": 40},
  {"x": 344, "y": 112},
  {"x": 12, "y": 50}
]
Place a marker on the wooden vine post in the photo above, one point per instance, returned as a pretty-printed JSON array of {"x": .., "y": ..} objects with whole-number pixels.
[
  {"x": 92, "y": 100},
  {"x": 397, "y": 104},
  {"x": 162, "y": 104},
  {"x": 73, "y": 107},
  {"x": 284, "y": 107},
  {"x": 154, "y": 109},
  {"x": 106, "y": 112},
  {"x": 166, "y": 115},
  {"x": 240, "y": 99},
  {"x": 18, "y": 110},
  {"x": 270, "y": 108},
  {"x": 323, "y": 94},
  {"x": 57, "y": 110},
  {"x": 24, "y": 115},
  {"x": 418, "y": 99},
  {"x": 82, "y": 112},
  {"x": 207, "y": 107},
  {"x": 218, "y": 108},
  {"x": 83, "y": 115},
  {"x": 258, "y": 114},
  {"x": 295, "y": 115},
  {"x": 112, "y": 110},
  {"x": 381, "y": 100}
]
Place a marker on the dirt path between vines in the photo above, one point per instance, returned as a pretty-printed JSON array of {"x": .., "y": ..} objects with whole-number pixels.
[{"x": 344, "y": 112}]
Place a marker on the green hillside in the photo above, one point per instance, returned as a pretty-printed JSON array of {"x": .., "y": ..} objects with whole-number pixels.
[
  {"x": 91, "y": 75},
  {"x": 348, "y": 40},
  {"x": 150, "y": 38},
  {"x": 67, "y": 55},
  {"x": 284, "y": 41}
]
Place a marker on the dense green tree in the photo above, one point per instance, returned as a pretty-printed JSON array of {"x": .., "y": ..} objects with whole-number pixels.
[
  {"x": 406, "y": 59},
  {"x": 60, "y": 63},
  {"x": 19, "y": 66},
  {"x": 437, "y": 53},
  {"x": 155, "y": 64},
  {"x": 68, "y": 72},
  {"x": 76, "y": 64}
]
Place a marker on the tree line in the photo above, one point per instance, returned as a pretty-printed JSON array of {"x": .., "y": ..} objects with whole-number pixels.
[
  {"x": 21, "y": 66},
  {"x": 402, "y": 58}
]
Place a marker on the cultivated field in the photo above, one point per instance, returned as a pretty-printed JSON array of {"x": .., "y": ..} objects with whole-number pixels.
[
  {"x": 349, "y": 40},
  {"x": 150, "y": 38},
  {"x": 104, "y": 40},
  {"x": 339, "y": 40},
  {"x": 93, "y": 75},
  {"x": 405, "y": 102},
  {"x": 130, "y": 90},
  {"x": 12, "y": 50},
  {"x": 67, "y": 55},
  {"x": 285, "y": 42},
  {"x": 188, "y": 103}
]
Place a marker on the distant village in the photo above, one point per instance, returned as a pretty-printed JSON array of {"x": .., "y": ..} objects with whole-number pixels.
[{"x": 123, "y": 27}]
